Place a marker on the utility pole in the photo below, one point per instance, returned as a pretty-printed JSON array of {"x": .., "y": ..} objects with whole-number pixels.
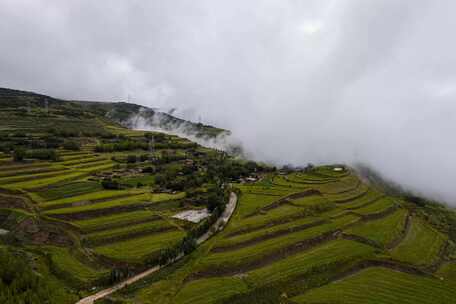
[{"x": 151, "y": 148}]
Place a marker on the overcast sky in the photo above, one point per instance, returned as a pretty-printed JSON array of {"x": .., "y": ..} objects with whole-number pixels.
[{"x": 296, "y": 81}]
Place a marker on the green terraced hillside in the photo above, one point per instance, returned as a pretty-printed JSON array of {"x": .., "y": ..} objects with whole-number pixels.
[
  {"x": 318, "y": 236},
  {"x": 86, "y": 203}
]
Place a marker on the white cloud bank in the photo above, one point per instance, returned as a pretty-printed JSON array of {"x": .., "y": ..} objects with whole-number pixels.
[{"x": 296, "y": 81}]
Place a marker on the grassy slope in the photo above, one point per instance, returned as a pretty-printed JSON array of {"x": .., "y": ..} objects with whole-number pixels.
[{"x": 382, "y": 286}]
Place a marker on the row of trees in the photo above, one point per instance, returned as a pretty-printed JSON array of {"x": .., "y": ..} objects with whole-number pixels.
[
  {"x": 19, "y": 284},
  {"x": 19, "y": 154}
]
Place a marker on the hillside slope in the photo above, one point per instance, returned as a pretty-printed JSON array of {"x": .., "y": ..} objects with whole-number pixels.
[
  {"x": 20, "y": 105},
  {"x": 321, "y": 236},
  {"x": 86, "y": 202}
]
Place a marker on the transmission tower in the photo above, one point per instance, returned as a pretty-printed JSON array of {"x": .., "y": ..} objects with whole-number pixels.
[{"x": 46, "y": 106}]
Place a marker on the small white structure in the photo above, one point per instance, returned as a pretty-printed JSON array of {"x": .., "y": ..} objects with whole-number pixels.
[
  {"x": 338, "y": 169},
  {"x": 194, "y": 216}
]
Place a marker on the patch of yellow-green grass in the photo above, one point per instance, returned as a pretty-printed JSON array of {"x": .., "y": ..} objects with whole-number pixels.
[
  {"x": 131, "y": 200},
  {"x": 68, "y": 175},
  {"x": 276, "y": 214},
  {"x": 381, "y": 286},
  {"x": 384, "y": 230},
  {"x": 235, "y": 239},
  {"x": 104, "y": 222},
  {"x": 30, "y": 171},
  {"x": 99, "y": 195},
  {"x": 335, "y": 252},
  {"x": 251, "y": 202},
  {"x": 69, "y": 190},
  {"x": 448, "y": 272},
  {"x": 265, "y": 190},
  {"x": 151, "y": 226},
  {"x": 256, "y": 251},
  {"x": 421, "y": 245},
  {"x": 27, "y": 177},
  {"x": 64, "y": 263},
  {"x": 209, "y": 291},
  {"x": 370, "y": 197},
  {"x": 377, "y": 207},
  {"x": 135, "y": 250},
  {"x": 312, "y": 200},
  {"x": 284, "y": 182}
]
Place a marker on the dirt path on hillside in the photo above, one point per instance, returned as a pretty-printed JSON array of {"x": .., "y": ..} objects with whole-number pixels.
[{"x": 218, "y": 225}]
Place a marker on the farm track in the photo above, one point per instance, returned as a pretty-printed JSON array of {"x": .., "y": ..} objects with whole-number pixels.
[{"x": 218, "y": 225}]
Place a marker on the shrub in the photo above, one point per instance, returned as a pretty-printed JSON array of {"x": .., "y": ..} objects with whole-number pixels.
[
  {"x": 131, "y": 159},
  {"x": 110, "y": 184},
  {"x": 19, "y": 154},
  {"x": 43, "y": 154},
  {"x": 71, "y": 145}
]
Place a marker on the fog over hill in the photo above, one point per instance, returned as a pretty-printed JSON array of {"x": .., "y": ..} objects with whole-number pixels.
[{"x": 296, "y": 81}]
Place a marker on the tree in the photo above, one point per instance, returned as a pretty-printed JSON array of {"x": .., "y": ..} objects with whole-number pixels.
[
  {"x": 19, "y": 154},
  {"x": 131, "y": 159}
]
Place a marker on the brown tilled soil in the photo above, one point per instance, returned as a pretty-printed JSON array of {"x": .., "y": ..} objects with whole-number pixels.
[
  {"x": 39, "y": 233},
  {"x": 8, "y": 201}
]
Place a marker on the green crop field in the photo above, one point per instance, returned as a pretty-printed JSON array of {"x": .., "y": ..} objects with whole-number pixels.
[
  {"x": 384, "y": 230},
  {"x": 382, "y": 286},
  {"x": 421, "y": 246},
  {"x": 135, "y": 250}
]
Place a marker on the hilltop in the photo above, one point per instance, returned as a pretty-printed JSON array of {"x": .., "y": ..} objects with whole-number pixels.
[
  {"x": 23, "y": 107},
  {"x": 87, "y": 202}
]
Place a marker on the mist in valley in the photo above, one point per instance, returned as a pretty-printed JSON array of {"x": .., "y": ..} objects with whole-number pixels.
[{"x": 295, "y": 81}]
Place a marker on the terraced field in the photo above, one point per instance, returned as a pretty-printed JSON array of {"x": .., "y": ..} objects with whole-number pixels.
[
  {"x": 321, "y": 237},
  {"x": 84, "y": 232},
  {"x": 86, "y": 203}
]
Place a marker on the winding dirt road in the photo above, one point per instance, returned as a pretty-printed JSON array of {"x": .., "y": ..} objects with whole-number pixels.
[{"x": 217, "y": 226}]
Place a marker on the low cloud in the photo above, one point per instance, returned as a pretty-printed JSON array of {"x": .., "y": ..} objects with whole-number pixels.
[{"x": 296, "y": 81}]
